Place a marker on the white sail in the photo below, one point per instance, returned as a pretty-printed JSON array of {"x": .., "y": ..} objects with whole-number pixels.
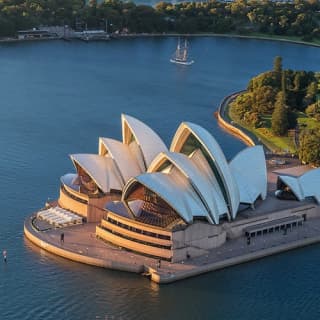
[{"x": 181, "y": 54}]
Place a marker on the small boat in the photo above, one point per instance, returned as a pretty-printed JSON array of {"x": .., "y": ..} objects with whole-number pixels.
[{"x": 181, "y": 55}]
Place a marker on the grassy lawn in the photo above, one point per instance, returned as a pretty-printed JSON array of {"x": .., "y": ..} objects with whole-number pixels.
[
  {"x": 265, "y": 135},
  {"x": 276, "y": 144},
  {"x": 309, "y": 123},
  {"x": 272, "y": 142}
]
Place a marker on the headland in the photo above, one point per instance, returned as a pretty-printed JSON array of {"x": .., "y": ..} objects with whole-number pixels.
[{"x": 146, "y": 229}]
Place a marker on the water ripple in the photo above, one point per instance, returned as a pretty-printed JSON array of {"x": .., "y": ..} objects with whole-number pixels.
[{"x": 57, "y": 98}]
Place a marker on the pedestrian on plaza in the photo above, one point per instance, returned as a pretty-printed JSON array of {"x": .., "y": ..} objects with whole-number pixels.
[
  {"x": 4, "y": 253},
  {"x": 62, "y": 238}
]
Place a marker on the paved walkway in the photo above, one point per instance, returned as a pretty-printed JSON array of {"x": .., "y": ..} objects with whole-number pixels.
[{"x": 82, "y": 241}]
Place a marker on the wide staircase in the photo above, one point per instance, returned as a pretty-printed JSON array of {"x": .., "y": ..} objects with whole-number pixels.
[{"x": 59, "y": 217}]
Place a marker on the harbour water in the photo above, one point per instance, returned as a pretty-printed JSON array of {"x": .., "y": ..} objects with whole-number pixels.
[{"x": 57, "y": 98}]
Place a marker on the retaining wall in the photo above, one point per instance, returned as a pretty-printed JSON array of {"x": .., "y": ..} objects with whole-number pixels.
[{"x": 229, "y": 127}]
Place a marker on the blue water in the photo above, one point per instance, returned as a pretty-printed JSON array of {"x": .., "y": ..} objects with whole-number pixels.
[{"x": 57, "y": 98}]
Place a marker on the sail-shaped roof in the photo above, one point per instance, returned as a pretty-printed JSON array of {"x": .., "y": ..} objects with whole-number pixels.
[
  {"x": 102, "y": 170},
  {"x": 195, "y": 178},
  {"x": 310, "y": 183},
  {"x": 174, "y": 189},
  {"x": 190, "y": 137},
  {"x": 294, "y": 185},
  {"x": 306, "y": 185},
  {"x": 201, "y": 163},
  {"x": 208, "y": 192},
  {"x": 250, "y": 172},
  {"x": 122, "y": 156},
  {"x": 149, "y": 142}
]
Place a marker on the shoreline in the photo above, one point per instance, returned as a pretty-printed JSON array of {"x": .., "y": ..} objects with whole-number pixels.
[
  {"x": 221, "y": 35},
  {"x": 235, "y": 130},
  {"x": 164, "y": 35}
]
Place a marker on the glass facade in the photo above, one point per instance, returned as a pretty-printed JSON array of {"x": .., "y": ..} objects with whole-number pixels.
[{"x": 191, "y": 144}]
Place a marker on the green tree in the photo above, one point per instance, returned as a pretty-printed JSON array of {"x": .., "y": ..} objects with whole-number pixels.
[
  {"x": 263, "y": 99},
  {"x": 252, "y": 119},
  {"x": 313, "y": 110},
  {"x": 311, "y": 95},
  {"x": 309, "y": 150},
  {"x": 277, "y": 64},
  {"x": 242, "y": 105},
  {"x": 279, "y": 120},
  {"x": 284, "y": 86}
]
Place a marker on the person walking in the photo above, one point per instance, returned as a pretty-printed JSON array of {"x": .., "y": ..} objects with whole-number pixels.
[
  {"x": 4, "y": 253},
  {"x": 62, "y": 238}
]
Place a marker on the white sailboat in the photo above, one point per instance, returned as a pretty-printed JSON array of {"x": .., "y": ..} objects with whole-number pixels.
[{"x": 181, "y": 54}]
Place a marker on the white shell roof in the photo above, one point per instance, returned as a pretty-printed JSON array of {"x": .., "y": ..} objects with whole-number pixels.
[
  {"x": 102, "y": 170},
  {"x": 137, "y": 153},
  {"x": 310, "y": 183},
  {"x": 250, "y": 171},
  {"x": 217, "y": 156},
  {"x": 149, "y": 142},
  {"x": 307, "y": 185},
  {"x": 201, "y": 183},
  {"x": 123, "y": 157},
  {"x": 200, "y": 162},
  {"x": 294, "y": 185},
  {"x": 173, "y": 189}
]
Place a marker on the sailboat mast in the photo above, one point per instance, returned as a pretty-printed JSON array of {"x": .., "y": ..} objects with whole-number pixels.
[
  {"x": 181, "y": 53},
  {"x": 185, "y": 53}
]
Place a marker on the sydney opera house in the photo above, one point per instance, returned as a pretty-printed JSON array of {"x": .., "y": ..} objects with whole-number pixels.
[{"x": 160, "y": 202}]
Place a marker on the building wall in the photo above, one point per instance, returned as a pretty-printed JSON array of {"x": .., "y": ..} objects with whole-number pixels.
[
  {"x": 96, "y": 206},
  {"x": 196, "y": 240},
  {"x": 93, "y": 210},
  {"x": 192, "y": 241},
  {"x": 235, "y": 229},
  {"x": 136, "y": 224},
  {"x": 132, "y": 245},
  {"x": 138, "y": 236},
  {"x": 65, "y": 201}
]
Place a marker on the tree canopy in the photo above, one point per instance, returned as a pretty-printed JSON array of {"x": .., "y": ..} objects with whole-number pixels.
[
  {"x": 279, "y": 122},
  {"x": 273, "y": 102},
  {"x": 309, "y": 151},
  {"x": 298, "y": 18},
  {"x": 298, "y": 90}
]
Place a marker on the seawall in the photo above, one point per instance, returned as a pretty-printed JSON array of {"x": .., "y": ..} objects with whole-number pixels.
[
  {"x": 38, "y": 239},
  {"x": 240, "y": 133},
  {"x": 82, "y": 246},
  {"x": 169, "y": 278}
]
